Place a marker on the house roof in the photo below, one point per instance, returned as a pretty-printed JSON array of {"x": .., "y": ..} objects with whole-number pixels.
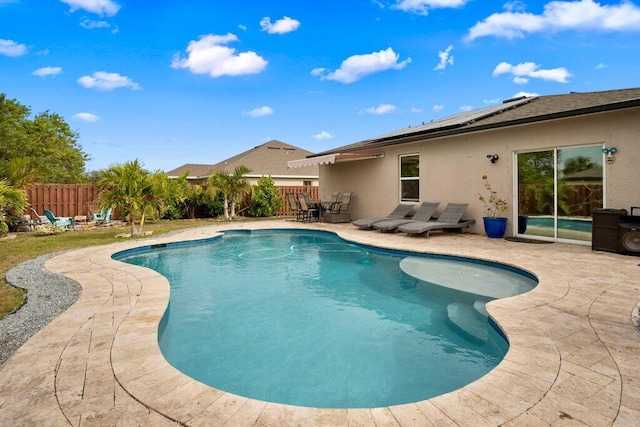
[
  {"x": 510, "y": 113},
  {"x": 269, "y": 158}
]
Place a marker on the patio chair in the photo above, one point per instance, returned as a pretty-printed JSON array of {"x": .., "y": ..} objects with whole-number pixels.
[
  {"x": 335, "y": 197},
  {"x": 450, "y": 219},
  {"x": 59, "y": 221},
  {"x": 399, "y": 212},
  {"x": 38, "y": 220},
  {"x": 342, "y": 205},
  {"x": 292, "y": 199},
  {"x": 308, "y": 210},
  {"x": 423, "y": 214},
  {"x": 103, "y": 216}
]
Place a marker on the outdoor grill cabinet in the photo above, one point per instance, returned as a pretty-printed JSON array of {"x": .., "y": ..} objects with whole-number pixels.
[{"x": 614, "y": 230}]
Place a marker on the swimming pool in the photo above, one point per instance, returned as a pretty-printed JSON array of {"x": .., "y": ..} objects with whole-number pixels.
[{"x": 305, "y": 318}]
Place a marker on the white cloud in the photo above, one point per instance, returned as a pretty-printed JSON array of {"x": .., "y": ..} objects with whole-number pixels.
[
  {"x": 527, "y": 94},
  {"x": 445, "y": 58},
  {"x": 242, "y": 27},
  {"x": 466, "y": 108},
  {"x": 514, "y": 6},
  {"x": 102, "y": 80},
  {"x": 99, "y": 7},
  {"x": 208, "y": 55},
  {"x": 601, "y": 66},
  {"x": 47, "y": 71},
  {"x": 11, "y": 48},
  {"x": 323, "y": 135},
  {"x": 380, "y": 109},
  {"x": 356, "y": 67},
  {"x": 259, "y": 112},
  {"x": 559, "y": 16},
  {"x": 86, "y": 117},
  {"x": 90, "y": 24},
  {"x": 438, "y": 107},
  {"x": 530, "y": 70},
  {"x": 422, "y": 7},
  {"x": 416, "y": 110},
  {"x": 281, "y": 26},
  {"x": 491, "y": 101}
]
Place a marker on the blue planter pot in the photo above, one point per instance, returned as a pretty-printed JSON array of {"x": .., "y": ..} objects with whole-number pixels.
[{"x": 495, "y": 227}]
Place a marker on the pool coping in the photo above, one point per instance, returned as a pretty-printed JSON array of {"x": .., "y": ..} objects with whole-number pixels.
[{"x": 573, "y": 355}]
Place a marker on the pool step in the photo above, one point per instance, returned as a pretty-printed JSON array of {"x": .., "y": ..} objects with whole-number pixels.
[
  {"x": 480, "y": 307},
  {"x": 467, "y": 319}
]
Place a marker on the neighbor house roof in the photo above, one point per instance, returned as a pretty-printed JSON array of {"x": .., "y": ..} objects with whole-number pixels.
[
  {"x": 510, "y": 113},
  {"x": 269, "y": 158}
]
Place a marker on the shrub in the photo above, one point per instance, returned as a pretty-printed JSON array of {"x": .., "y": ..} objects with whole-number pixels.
[
  {"x": 214, "y": 206},
  {"x": 265, "y": 199}
]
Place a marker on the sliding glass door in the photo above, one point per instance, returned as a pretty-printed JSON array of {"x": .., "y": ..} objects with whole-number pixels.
[{"x": 557, "y": 192}]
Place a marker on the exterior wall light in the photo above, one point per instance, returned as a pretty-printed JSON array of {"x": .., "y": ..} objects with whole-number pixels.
[
  {"x": 609, "y": 152},
  {"x": 493, "y": 157}
]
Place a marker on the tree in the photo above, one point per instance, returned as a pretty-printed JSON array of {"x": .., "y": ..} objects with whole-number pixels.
[
  {"x": 578, "y": 164},
  {"x": 265, "y": 199},
  {"x": 218, "y": 183},
  {"x": 176, "y": 196},
  {"x": 193, "y": 197},
  {"x": 239, "y": 187},
  {"x": 128, "y": 187},
  {"x": 232, "y": 187},
  {"x": 12, "y": 201},
  {"x": 20, "y": 171},
  {"x": 155, "y": 196},
  {"x": 46, "y": 140}
]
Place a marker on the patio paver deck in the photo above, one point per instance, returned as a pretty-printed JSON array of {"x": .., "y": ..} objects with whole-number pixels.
[{"x": 574, "y": 355}]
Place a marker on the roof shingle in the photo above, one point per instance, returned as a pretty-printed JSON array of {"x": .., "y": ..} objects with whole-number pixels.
[
  {"x": 515, "y": 112},
  {"x": 269, "y": 158}
]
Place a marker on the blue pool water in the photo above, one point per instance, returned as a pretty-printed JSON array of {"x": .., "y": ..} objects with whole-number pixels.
[
  {"x": 563, "y": 223},
  {"x": 305, "y": 318}
]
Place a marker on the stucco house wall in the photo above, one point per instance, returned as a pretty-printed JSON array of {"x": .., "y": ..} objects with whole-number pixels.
[{"x": 451, "y": 168}]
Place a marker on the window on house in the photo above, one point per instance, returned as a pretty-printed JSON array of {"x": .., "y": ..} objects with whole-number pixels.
[
  {"x": 306, "y": 183},
  {"x": 410, "y": 178}
]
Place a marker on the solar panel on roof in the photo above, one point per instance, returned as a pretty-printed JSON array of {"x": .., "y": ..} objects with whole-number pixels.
[{"x": 457, "y": 120}]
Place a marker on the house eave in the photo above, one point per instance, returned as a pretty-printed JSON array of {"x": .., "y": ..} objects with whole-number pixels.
[{"x": 473, "y": 127}]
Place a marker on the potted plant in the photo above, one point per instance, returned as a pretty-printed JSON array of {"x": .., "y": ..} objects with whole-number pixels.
[{"x": 494, "y": 225}]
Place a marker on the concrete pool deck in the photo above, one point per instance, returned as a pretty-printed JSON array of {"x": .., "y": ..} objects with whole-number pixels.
[{"x": 574, "y": 357}]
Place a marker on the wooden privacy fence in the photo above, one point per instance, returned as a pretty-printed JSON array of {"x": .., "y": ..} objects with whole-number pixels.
[
  {"x": 285, "y": 210},
  {"x": 62, "y": 199},
  {"x": 79, "y": 199}
]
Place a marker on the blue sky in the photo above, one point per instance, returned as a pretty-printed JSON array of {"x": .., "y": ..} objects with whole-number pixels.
[{"x": 174, "y": 82}]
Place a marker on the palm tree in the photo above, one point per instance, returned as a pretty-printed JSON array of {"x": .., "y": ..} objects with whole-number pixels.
[
  {"x": 230, "y": 186},
  {"x": 155, "y": 196},
  {"x": 127, "y": 186},
  {"x": 11, "y": 200},
  {"x": 193, "y": 196},
  {"x": 239, "y": 186},
  {"x": 20, "y": 171},
  {"x": 218, "y": 182}
]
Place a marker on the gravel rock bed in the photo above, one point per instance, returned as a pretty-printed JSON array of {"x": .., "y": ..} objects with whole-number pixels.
[{"x": 48, "y": 296}]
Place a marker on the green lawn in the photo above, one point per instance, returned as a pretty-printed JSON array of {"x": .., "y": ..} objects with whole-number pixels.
[{"x": 27, "y": 246}]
